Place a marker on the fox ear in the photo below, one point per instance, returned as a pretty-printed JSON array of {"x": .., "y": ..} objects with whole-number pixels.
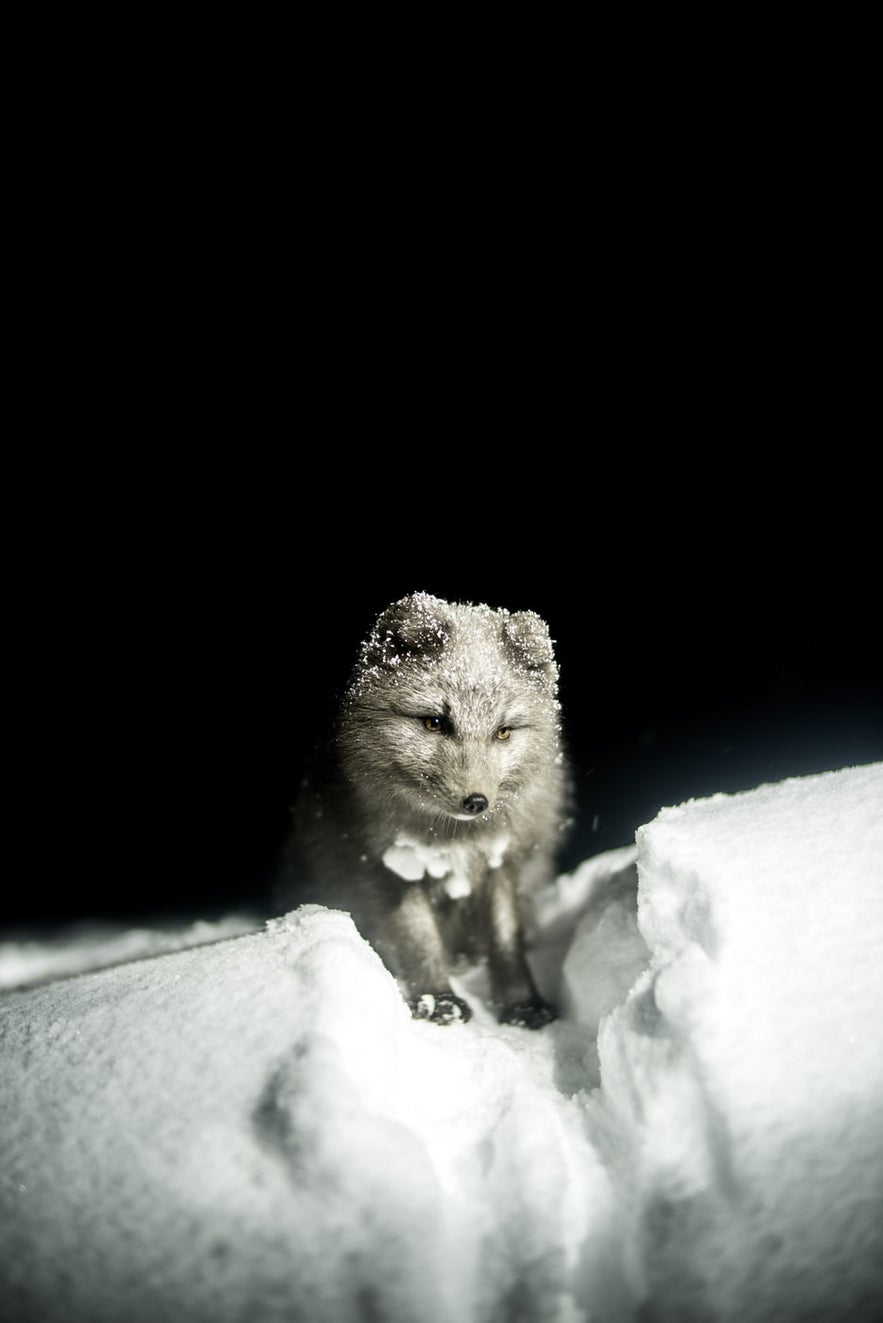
[
  {"x": 416, "y": 624},
  {"x": 526, "y": 638}
]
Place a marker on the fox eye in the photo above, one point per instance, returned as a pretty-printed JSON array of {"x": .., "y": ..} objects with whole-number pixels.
[
  {"x": 434, "y": 723},
  {"x": 503, "y": 733}
]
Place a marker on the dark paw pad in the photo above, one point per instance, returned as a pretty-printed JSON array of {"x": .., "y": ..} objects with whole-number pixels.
[
  {"x": 440, "y": 1008},
  {"x": 529, "y": 1015}
]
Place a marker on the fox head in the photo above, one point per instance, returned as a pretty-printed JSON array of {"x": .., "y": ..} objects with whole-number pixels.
[{"x": 452, "y": 711}]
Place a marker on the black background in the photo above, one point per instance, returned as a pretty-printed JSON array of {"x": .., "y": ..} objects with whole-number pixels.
[
  {"x": 612, "y": 366},
  {"x": 200, "y": 627}
]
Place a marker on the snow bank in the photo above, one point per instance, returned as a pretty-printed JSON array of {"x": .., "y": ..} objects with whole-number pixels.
[
  {"x": 255, "y": 1127},
  {"x": 744, "y": 1073},
  {"x": 258, "y": 1128}
]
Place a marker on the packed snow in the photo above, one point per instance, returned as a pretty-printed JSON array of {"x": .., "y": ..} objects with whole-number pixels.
[{"x": 243, "y": 1122}]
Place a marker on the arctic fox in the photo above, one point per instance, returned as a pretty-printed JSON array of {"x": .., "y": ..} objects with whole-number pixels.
[{"x": 438, "y": 797}]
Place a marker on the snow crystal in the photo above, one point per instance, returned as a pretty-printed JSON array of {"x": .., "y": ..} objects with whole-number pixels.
[
  {"x": 413, "y": 860},
  {"x": 461, "y": 641},
  {"x": 256, "y": 1127}
]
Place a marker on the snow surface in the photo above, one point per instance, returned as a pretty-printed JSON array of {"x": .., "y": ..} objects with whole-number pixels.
[{"x": 252, "y": 1126}]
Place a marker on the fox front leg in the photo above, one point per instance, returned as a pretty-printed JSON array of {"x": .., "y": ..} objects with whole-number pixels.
[
  {"x": 410, "y": 945},
  {"x": 515, "y": 996}
]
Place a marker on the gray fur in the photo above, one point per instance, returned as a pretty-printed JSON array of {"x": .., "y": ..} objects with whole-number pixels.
[{"x": 381, "y": 828}]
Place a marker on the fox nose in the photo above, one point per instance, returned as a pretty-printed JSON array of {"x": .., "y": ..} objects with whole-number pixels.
[{"x": 475, "y": 803}]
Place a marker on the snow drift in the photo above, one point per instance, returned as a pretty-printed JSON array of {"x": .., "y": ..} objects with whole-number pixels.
[{"x": 255, "y": 1128}]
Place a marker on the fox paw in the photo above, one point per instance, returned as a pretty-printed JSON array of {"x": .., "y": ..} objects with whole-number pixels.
[
  {"x": 530, "y": 1014},
  {"x": 440, "y": 1008}
]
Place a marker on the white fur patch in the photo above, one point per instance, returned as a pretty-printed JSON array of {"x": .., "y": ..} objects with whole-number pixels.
[{"x": 414, "y": 860}]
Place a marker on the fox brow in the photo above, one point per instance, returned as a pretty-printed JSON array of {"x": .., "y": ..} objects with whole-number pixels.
[{"x": 425, "y": 703}]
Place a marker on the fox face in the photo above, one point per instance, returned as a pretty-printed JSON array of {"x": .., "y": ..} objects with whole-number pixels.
[
  {"x": 460, "y": 757},
  {"x": 452, "y": 713}
]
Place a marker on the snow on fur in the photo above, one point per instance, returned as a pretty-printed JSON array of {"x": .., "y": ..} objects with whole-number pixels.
[{"x": 257, "y": 1128}]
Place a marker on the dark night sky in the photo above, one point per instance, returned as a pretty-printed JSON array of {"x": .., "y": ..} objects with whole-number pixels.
[
  {"x": 650, "y": 422},
  {"x": 203, "y": 647}
]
